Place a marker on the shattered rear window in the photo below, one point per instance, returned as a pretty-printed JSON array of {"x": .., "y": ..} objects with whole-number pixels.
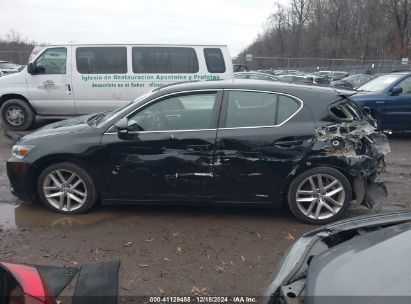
[{"x": 346, "y": 112}]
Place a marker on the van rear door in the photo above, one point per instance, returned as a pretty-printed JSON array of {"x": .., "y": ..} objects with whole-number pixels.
[{"x": 49, "y": 85}]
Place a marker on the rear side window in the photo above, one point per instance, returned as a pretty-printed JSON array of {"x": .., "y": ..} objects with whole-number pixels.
[
  {"x": 251, "y": 109},
  {"x": 258, "y": 109},
  {"x": 164, "y": 60},
  {"x": 101, "y": 60},
  {"x": 214, "y": 60},
  {"x": 286, "y": 107}
]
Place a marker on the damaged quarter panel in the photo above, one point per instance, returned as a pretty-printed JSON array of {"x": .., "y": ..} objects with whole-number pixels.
[{"x": 346, "y": 140}]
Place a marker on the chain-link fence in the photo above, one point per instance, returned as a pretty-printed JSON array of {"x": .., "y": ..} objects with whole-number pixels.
[
  {"x": 19, "y": 57},
  {"x": 351, "y": 66}
]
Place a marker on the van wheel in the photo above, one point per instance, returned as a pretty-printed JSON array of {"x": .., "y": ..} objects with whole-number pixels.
[
  {"x": 319, "y": 195},
  {"x": 17, "y": 115},
  {"x": 66, "y": 188}
]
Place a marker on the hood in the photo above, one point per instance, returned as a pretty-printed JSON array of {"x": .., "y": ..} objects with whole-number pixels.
[
  {"x": 10, "y": 71},
  {"x": 16, "y": 77},
  {"x": 359, "y": 267},
  {"x": 363, "y": 95},
  {"x": 346, "y": 258},
  {"x": 72, "y": 125}
]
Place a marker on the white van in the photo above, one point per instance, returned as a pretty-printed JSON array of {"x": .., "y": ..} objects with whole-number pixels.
[{"x": 68, "y": 80}]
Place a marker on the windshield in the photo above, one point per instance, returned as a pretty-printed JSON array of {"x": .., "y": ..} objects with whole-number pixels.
[
  {"x": 380, "y": 83},
  {"x": 350, "y": 78},
  {"x": 35, "y": 51},
  {"x": 112, "y": 115}
]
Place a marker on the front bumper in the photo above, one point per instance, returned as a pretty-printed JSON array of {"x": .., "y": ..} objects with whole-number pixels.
[{"x": 18, "y": 173}]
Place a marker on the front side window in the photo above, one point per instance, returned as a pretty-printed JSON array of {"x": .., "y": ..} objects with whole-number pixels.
[
  {"x": 183, "y": 112},
  {"x": 101, "y": 60},
  {"x": 164, "y": 60},
  {"x": 52, "y": 61},
  {"x": 406, "y": 86},
  {"x": 214, "y": 60},
  {"x": 258, "y": 109}
]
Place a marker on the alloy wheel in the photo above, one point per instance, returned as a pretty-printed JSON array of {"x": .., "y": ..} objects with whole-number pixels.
[
  {"x": 64, "y": 190},
  {"x": 320, "y": 196}
]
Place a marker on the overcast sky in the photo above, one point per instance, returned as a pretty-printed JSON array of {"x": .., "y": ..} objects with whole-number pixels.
[{"x": 232, "y": 22}]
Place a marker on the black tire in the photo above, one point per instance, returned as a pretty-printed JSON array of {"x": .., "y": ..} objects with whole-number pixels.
[
  {"x": 328, "y": 174},
  {"x": 67, "y": 168},
  {"x": 29, "y": 116}
]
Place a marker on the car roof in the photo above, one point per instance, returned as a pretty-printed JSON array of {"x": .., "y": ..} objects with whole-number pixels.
[{"x": 318, "y": 96}]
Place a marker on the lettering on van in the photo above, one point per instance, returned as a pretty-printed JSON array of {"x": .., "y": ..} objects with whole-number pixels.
[{"x": 141, "y": 81}]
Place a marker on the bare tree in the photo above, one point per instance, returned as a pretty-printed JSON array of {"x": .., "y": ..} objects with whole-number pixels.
[
  {"x": 400, "y": 10},
  {"x": 358, "y": 29}
]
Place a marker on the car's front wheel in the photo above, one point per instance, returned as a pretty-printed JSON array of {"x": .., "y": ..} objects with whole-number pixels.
[
  {"x": 319, "y": 195},
  {"x": 66, "y": 188}
]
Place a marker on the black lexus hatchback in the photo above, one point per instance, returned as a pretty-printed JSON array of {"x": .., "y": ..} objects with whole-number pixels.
[{"x": 216, "y": 142}]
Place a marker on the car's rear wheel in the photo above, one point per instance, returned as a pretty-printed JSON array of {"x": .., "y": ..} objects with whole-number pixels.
[
  {"x": 319, "y": 195},
  {"x": 66, "y": 188},
  {"x": 17, "y": 115}
]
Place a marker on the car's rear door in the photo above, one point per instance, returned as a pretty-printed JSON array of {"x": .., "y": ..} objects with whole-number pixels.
[
  {"x": 262, "y": 136},
  {"x": 168, "y": 152}
]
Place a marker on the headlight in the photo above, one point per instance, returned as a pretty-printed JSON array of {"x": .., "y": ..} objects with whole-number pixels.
[{"x": 20, "y": 151}]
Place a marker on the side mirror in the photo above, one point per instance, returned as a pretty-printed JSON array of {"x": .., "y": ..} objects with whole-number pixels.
[
  {"x": 30, "y": 68},
  {"x": 122, "y": 128},
  {"x": 395, "y": 91}
]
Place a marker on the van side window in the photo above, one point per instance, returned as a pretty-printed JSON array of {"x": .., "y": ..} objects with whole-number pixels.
[
  {"x": 52, "y": 61},
  {"x": 214, "y": 60},
  {"x": 164, "y": 60},
  {"x": 101, "y": 60}
]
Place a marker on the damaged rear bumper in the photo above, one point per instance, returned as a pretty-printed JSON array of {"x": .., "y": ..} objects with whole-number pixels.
[
  {"x": 363, "y": 151},
  {"x": 370, "y": 194}
]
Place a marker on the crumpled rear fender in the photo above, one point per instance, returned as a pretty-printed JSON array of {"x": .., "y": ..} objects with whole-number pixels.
[{"x": 356, "y": 150}]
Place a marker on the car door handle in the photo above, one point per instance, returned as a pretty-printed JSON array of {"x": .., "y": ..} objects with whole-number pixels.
[
  {"x": 380, "y": 102},
  {"x": 68, "y": 88},
  {"x": 288, "y": 143}
]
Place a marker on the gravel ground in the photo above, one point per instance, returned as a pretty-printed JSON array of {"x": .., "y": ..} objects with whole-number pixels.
[{"x": 172, "y": 250}]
